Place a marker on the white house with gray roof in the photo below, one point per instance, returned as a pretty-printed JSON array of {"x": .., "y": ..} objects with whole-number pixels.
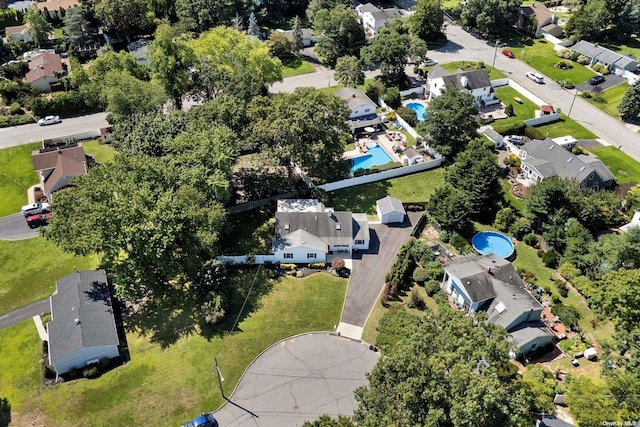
[
  {"x": 82, "y": 329},
  {"x": 490, "y": 283},
  {"x": 306, "y": 232},
  {"x": 475, "y": 82},
  {"x": 621, "y": 65},
  {"x": 373, "y": 18},
  {"x": 543, "y": 159}
]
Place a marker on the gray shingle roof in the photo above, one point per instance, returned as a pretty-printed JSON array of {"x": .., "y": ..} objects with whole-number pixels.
[
  {"x": 367, "y": 7},
  {"x": 475, "y": 79},
  {"x": 337, "y": 229},
  {"x": 551, "y": 159},
  {"x": 361, "y": 227},
  {"x": 85, "y": 296},
  {"x": 437, "y": 71},
  {"x": 390, "y": 204},
  {"x": 492, "y": 134},
  {"x": 528, "y": 331},
  {"x": 552, "y": 421},
  {"x": 354, "y": 97},
  {"x": 602, "y": 54}
]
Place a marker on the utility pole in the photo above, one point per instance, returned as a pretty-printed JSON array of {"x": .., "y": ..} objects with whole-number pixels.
[
  {"x": 220, "y": 378},
  {"x": 495, "y": 52},
  {"x": 575, "y": 94}
]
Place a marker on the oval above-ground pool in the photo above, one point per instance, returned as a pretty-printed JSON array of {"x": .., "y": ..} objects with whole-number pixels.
[{"x": 490, "y": 242}]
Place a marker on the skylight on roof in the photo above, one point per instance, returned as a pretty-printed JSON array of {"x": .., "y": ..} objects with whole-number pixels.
[
  {"x": 501, "y": 308},
  {"x": 569, "y": 159},
  {"x": 551, "y": 147},
  {"x": 582, "y": 168}
]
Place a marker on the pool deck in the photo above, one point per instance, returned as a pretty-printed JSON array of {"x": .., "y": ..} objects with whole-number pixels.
[{"x": 380, "y": 139}]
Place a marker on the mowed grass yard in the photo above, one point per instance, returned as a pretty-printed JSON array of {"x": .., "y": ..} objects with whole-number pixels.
[
  {"x": 102, "y": 153},
  {"x": 610, "y": 99},
  {"x": 543, "y": 58},
  {"x": 297, "y": 67},
  {"x": 494, "y": 73},
  {"x": 171, "y": 386},
  {"x": 625, "y": 168},
  {"x": 29, "y": 269},
  {"x": 410, "y": 188},
  {"x": 16, "y": 176}
]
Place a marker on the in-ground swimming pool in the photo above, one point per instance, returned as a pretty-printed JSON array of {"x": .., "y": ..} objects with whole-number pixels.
[
  {"x": 376, "y": 156},
  {"x": 490, "y": 242},
  {"x": 421, "y": 113}
]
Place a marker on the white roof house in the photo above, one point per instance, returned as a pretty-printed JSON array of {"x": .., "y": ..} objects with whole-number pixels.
[
  {"x": 390, "y": 210},
  {"x": 374, "y": 18},
  {"x": 314, "y": 231}
]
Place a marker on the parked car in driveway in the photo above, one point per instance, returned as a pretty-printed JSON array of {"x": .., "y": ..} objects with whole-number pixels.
[
  {"x": 34, "y": 209},
  {"x": 508, "y": 54},
  {"x": 34, "y": 221},
  {"x": 49, "y": 120},
  {"x": 429, "y": 62},
  {"x": 204, "y": 420},
  {"x": 535, "y": 77},
  {"x": 596, "y": 80}
]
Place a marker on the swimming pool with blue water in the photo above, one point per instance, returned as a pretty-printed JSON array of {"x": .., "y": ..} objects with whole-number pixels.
[
  {"x": 421, "y": 113},
  {"x": 376, "y": 157}
]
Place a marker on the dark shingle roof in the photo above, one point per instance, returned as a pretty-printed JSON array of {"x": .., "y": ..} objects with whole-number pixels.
[
  {"x": 551, "y": 421},
  {"x": 474, "y": 80},
  {"x": 602, "y": 54},
  {"x": 83, "y": 295},
  {"x": 337, "y": 229}
]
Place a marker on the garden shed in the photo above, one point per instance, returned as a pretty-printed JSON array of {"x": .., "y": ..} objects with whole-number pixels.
[
  {"x": 390, "y": 210},
  {"x": 591, "y": 354}
]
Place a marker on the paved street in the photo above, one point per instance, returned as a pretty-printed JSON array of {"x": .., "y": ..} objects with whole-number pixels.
[
  {"x": 14, "y": 227},
  {"x": 18, "y": 135},
  {"x": 298, "y": 380}
]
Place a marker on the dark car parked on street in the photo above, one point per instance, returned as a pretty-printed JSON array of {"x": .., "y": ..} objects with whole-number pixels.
[{"x": 596, "y": 80}]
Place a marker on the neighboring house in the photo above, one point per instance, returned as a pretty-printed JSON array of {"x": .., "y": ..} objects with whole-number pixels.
[
  {"x": 635, "y": 222},
  {"x": 537, "y": 19},
  {"x": 29, "y": 55},
  {"x": 82, "y": 329},
  {"x": 363, "y": 109},
  {"x": 494, "y": 136},
  {"x": 19, "y": 32},
  {"x": 621, "y": 65},
  {"x": 56, "y": 166},
  {"x": 490, "y": 283},
  {"x": 306, "y": 231},
  {"x": 390, "y": 210},
  {"x": 543, "y": 159},
  {"x": 552, "y": 421},
  {"x": 307, "y": 36},
  {"x": 373, "y": 18},
  {"x": 43, "y": 69},
  {"x": 411, "y": 156},
  {"x": 475, "y": 82},
  {"x": 139, "y": 49}
]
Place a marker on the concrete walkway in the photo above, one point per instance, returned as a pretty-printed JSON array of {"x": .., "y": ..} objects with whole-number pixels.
[
  {"x": 24, "y": 313},
  {"x": 40, "y": 327}
]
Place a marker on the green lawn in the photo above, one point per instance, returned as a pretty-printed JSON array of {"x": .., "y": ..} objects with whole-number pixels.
[
  {"x": 29, "y": 269},
  {"x": 166, "y": 387},
  {"x": 410, "y": 188},
  {"x": 517, "y": 203},
  {"x": 543, "y": 58},
  {"x": 566, "y": 126},
  {"x": 103, "y": 153},
  {"x": 494, "y": 73},
  {"x": 16, "y": 176},
  {"x": 334, "y": 89},
  {"x": 624, "y": 168},
  {"x": 297, "y": 67},
  {"x": 610, "y": 99}
]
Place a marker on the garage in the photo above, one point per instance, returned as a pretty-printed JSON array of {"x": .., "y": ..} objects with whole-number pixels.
[{"x": 390, "y": 210}]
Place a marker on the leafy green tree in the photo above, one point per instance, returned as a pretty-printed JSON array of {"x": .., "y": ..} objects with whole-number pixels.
[
  {"x": 315, "y": 5},
  {"x": 427, "y": 19},
  {"x": 589, "y": 402},
  {"x": 163, "y": 9},
  {"x": 125, "y": 95},
  {"x": 225, "y": 109},
  {"x": 234, "y": 63},
  {"x": 37, "y": 25},
  {"x": 392, "y": 97},
  {"x": 546, "y": 198},
  {"x": 145, "y": 133},
  {"x": 339, "y": 34},
  {"x": 280, "y": 46},
  {"x": 578, "y": 244},
  {"x": 490, "y": 16},
  {"x": 450, "y": 126},
  {"x": 504, "y": 218},
  {"x": 75, "y": 23},
  {"x": 613, "y": 252},
  {"x": 127, "y": 17},
  {"x": 390, "y": 49},
  {"x": 451, "y": 208},
  {"x": 588, "y": 21},
  {"x": 476, "y": 172},
  {"x": 629, "y": 107},
  {"x": 306, "y": 127},
  {"x": 327, "y": 421},
  {"x": 348, "y": 71},
  {"x": 442, "y": 370},
  {"x": 622, "y": 18},
  {"x": 204, "y": 15},
  {"x": 417, "y": 50},
  {"x": 632, "y": 199},
  {"x": 541, "y": 384},
  {"x": 170, "y": 60}
]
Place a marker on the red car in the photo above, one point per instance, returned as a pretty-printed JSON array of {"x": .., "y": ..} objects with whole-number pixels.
[
  {"x": 34, "y": 221},
  {"x": 508, "y": 54}
]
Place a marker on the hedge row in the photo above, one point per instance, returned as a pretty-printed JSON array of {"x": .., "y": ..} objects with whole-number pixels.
[
  {"x": 6, "y": 121},
  {"x": 68, "y": 104}
]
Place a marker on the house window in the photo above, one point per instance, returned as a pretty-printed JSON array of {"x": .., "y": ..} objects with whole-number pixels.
[
  {"x": 366, "y": 110},
  {"x": 311, "y": 255},
  {"x": 359, "y": 242},
  {"x": 288, "y": 255}
]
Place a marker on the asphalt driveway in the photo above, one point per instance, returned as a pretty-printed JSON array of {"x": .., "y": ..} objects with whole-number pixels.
[
  {"x": 14, "y": 227},
  {"x": 297, "y": 380},
  {"x": 610, "y": 80},
  {"x": 370, "y": 268}
]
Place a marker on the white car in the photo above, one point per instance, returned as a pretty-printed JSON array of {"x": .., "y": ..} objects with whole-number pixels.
[
  {"x": 34, "y": 209},
  {"x": 49, "y": 120},
  {"x": 535, "y": 77},
  {"x": 429, "y": 63}
]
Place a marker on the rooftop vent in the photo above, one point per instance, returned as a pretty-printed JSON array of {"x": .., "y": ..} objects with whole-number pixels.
[
  {"x": 76, "y": 321},
  {"x": 287, "y": 226},
  {"x": 501, "y": 308},
  {"x": 338, "y": 226}
]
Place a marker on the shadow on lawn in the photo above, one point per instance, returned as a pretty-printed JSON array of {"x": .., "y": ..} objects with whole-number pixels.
[
  {"x": 167, "y": 318},
  {"x": 361, "y": 198}
]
